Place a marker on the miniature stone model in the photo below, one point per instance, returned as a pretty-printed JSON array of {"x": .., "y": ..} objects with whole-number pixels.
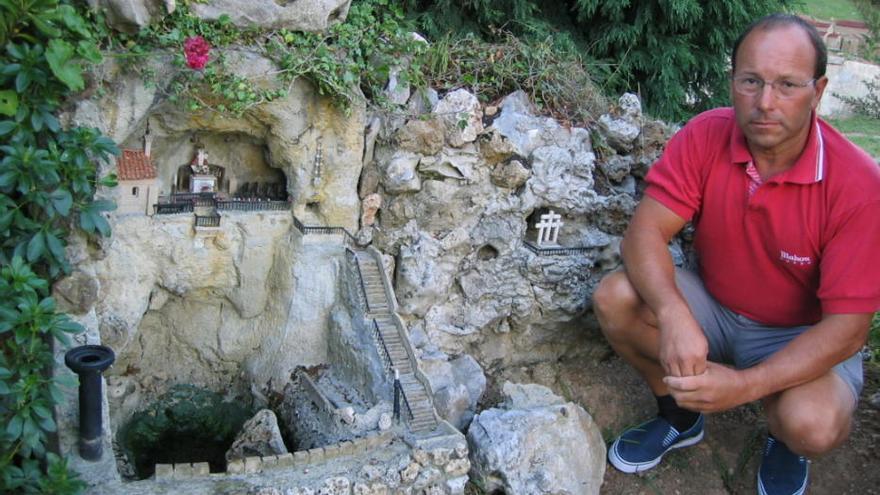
[
  {"x": 137, "y": 179},
  {"x": 548, "y": 228}
]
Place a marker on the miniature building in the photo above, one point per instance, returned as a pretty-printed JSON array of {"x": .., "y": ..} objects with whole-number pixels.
[
  {"x": 138, "y": 188},
  {"x": 200, "y": 176}
]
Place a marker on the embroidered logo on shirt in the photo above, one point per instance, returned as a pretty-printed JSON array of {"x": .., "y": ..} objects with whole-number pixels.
[{"x": 795, "y": 259}]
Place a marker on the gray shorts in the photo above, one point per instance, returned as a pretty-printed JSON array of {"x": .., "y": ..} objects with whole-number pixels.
[{"x": 743, "y": 342}]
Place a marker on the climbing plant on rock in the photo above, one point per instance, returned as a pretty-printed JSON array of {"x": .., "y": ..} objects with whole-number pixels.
[{"x": 48, "y": 181}]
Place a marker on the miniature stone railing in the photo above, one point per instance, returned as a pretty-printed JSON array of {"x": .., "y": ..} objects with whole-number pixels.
[
  {"x": 362, "y": 294},
  {"x": 207, "y": 221},
  {"x": 172, "y": 208},
  {"x": 555, "y": 251},
  {"x": 236, "y": 205},
  {"x": 260, "y": 464}
]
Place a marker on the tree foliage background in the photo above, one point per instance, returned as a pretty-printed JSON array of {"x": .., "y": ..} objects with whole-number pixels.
[{"x": 673, "y": 52}]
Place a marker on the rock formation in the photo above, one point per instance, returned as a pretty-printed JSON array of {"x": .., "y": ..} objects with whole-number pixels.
[{"x": 536, "y": 443}]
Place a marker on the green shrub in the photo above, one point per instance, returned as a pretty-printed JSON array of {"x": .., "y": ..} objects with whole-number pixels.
[
  {"x": 558, "y": 81},
  {"x": 672, "y": 52},
  {"x": 48, "y": 179}
]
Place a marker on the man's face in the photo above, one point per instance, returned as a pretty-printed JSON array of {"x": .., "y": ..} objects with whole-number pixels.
[{"x": 772, "y": 123}]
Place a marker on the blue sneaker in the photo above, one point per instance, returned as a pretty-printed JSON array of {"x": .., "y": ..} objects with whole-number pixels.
[
  {"x": 782, "y": 471},
  {"x": 642, "y": 447}
]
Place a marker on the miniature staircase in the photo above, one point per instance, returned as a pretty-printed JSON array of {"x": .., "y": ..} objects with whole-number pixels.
[{"x": 379, "y": 308}]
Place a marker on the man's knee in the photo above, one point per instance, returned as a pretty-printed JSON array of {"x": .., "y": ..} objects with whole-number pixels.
[
  {"x": 812, "y": 430},
  {"x": 615, "y": 302},
  {"x": 614, "y": 296}
]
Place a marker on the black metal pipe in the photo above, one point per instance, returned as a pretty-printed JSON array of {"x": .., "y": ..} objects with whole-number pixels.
[
  {"x": 396, "y": 394},
  {"x": 89, "y": 361}
]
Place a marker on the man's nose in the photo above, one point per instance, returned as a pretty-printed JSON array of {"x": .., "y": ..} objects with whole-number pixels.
[{"x": 766, "y": 96}]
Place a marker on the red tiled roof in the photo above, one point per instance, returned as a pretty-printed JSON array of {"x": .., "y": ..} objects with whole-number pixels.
[
  {"x": 134, "y": 165},
  {"x": 852, "y": 24}
]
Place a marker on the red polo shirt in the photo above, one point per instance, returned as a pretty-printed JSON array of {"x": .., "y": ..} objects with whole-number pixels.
[{"x": 804, "y": 244}]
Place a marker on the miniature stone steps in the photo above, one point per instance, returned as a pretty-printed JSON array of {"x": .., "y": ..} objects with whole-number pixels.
[{"x": 380, "y": 309}]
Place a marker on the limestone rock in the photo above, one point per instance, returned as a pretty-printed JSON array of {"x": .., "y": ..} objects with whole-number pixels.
[
  {"x": 76, "y": 293},
  {"x": 617, "y": 167},
  {"x": 526, "y": 132},
  {"x": 259, "y": 436},
  {"x": 620, "y": 133},
  {"x": 630, "y": 105},
  {"x": 129, "y": 16},
  {"x": 369, "y": 207},
  {"x": 457, "y": 164},
  {"x": 545, "y": 446},
  {"x": 400, "y": 173},
  {"x": 298, "y": 15},
  {"x": 511, "y": 175},
  {"x": 563, "y": 179},
  {"x": 423, "y": 276},
  {"x": 495, "y": 148},
  {"x": 422, "y": 101},
  {"x": 458, "y": 385},
  {"x": 421, "y": 136},
  {"x": 461, "y": 115}
]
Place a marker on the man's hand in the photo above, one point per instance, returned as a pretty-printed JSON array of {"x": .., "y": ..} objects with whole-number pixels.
[
  {"x": 683, "y": 346},
  {"x": 717, "y": 389}
]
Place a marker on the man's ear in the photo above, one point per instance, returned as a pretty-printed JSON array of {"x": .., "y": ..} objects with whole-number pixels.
[{"x": 819, "y": 90}]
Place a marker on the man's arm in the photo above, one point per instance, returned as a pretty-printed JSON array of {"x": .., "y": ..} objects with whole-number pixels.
[
  {"x": 649, "y": 267},
  {"x": 804, "y": 359}
]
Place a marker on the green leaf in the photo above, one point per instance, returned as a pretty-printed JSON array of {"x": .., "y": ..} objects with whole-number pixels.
[
  {"x": 7, "y": 126},
  {"x": 73, "y": 20},
  {"x": 36, "y": 247},
  {"x": 14, "y": 427},
  {"x": 8, "y": 106},
  {"x": 102, "y": 205},
  {"x": 4, "y": 388},
  {"x": 60, "y": 56},
  {"x": 44, "y": 25},
  {"x": 89, "y": 51},
  {"x": 55, "y": 247},
  {"x": 62, "y": 201}
]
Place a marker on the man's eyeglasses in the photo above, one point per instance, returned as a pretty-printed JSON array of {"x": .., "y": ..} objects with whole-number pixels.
[{"x": 785, "y": 88}]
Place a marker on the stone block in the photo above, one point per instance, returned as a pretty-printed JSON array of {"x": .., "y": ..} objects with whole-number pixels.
[
  {"x": 316, "y": 454},
  {"x": 361, "y": 445},
  {"x": 301, "y": 457},
  {"x": 201, "y": 469},
  {"x": 183, "y": 470},
  {"x": 164, "y": 472},
  {"x": 235, "y": 466},
  {"x": 332, "y": 451},
  {"x": 285, "y": 460},
  {"x": 270, "y": 461},
  {"x": 346, "y": 447},
  {"x": 253, "y": 465}
]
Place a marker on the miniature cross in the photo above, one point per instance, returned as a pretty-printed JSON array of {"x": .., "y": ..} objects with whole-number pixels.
[{"x": 548, "y": 227}]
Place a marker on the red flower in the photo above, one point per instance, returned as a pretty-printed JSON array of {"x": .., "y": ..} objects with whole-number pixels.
[{"x": 196, "y": 50}]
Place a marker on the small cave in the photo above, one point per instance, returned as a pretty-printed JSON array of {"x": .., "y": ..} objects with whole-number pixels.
[
  {"x": 186, "y": 424},
  {"x": 553, "y": 228},
  {"x": 487, "y": 252}
]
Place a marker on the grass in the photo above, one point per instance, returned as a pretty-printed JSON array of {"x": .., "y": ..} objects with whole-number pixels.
[
  {"x": 862, "y": 130},
  {"x": 830, "y": 9}
]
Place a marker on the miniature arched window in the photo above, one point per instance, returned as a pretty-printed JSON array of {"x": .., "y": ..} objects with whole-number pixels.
[{"x": 135, "y": 191}]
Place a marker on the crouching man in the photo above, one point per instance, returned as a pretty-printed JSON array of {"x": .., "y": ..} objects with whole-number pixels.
[{"x": 787, "y": 231}]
